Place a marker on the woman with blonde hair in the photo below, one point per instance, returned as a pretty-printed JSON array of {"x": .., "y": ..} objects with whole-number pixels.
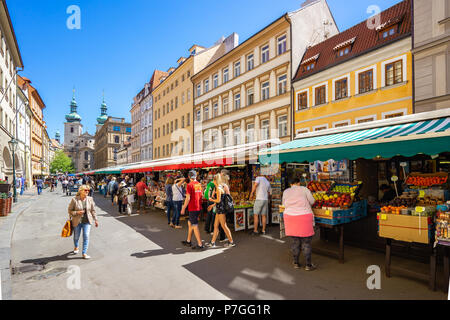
[
  {"x": 218, "y": 197},
  {"x": 82, "y": 212}
]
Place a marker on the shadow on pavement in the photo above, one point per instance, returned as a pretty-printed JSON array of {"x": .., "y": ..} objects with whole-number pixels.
[{"x": 46, "y": 260}]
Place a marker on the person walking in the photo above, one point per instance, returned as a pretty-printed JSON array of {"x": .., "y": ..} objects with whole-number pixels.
[
  {"x": 299, "y": 221},
  {"x": 65, "y": 185},
  {"x": 39, "y": 184},
  {"x": 218, "y": 199},
  {"x": 169, "y": 200},
  {"x": 141, "y": 187},
  {"x": 193, "y": 203},
  {"x": 123, "y": 197},
  {"x": 262, "y": 188},
  {"x": 82, "y": 212},
  {"x": 22, "y": 185},
  {"x": 112, "y": 188},
  {"x": 177, "y": 198}
]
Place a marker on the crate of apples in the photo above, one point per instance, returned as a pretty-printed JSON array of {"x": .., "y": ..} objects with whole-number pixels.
[{"x": 315, "y": 186}]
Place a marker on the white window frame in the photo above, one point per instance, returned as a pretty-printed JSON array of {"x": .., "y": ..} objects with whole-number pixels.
[
  {"x": 387, "y": 113},
  {"x": 237, "y": 69},
  {"x": 404, "y": 69},
  {"x": 252, "y": 92},
  {"x": 300, "y": 131},
  {"x": 372, "y": 116},
  {"x": 215, "y": 80},
  {"x": 286, "y": 125},
  {"x": 347, "y": 122},
  {"x": 374, "y": 72},
  {"x": 199, "y": 90},
  {"x": 206, "y": 113},
  {"x": 307, "y": 99},
  {"x": 321, "y": 126},
  {"x": 314, "y": 92},
  {"x": 198, "y": 115},
  {"x": 227, "y": 73},
  {"x": 268, "y": 90},
  {"x": 263, "y": 137},
  {"x": 252, "y": 60},
  {"x": 285, "y": 85},
  {"x": 349, "y": 94},
  {"x": 252, "y": 131},
  {"x": 225, "y": 104},
  {"x": 206, "y": 85},
  {"x": 237, "y": 97},
  {"x": 278, "y": 44},
  {"x": 264, "y": 51},
  {"x": 215, "y": 111}
]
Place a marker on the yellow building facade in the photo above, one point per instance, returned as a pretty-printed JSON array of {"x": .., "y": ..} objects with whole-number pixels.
[{"x": 375, "y": 84}]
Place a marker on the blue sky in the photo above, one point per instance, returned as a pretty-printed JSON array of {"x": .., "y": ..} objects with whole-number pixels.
[{"x": 121, "y": 42}]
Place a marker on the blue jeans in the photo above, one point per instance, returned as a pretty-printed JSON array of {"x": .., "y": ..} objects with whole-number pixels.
[
  {"x": 39, "y": 190},
  {"x": 86, "y": 227},
  {"x": 177, "y": 205},
  {"x": 170, "y": 207},
  {"x": 21, "y": 190}
]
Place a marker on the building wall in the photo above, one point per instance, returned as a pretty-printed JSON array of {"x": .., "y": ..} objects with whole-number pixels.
[
  {"x": 432, "y": 55},
  {"x": 147, "y": 127},
  {"x": 136, "y": 128},
  {"x": 106, "y": 143},
  {"x": 380, "y": 103},
  {"x": 172, "y": 105}
]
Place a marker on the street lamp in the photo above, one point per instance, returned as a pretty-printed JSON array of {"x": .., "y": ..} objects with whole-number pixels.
[{"x": 13, "y": 146}]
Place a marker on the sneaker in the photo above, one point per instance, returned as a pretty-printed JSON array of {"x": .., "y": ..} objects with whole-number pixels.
[
  {"x": 211, "y": 245},
  {"x": 296, "y": 265},
  {"x": 198, "y": 248},
  {"x": 171, "y": 225},
  {"x": 230, "y": 244},
  {"x": 76, "y": 251},
  {"x": 224, "y": 240},
  {"x": 186, "y": 243},
  {"x": 85, "y": 256},
  {"x": 311, "y": 267},
  {"x": 178, "y": 227}
]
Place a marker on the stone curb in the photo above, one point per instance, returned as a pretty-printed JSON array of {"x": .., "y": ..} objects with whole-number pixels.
[{"x": 7, "y": 225}]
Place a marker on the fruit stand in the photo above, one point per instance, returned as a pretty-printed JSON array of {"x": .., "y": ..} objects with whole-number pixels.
[
  {"x": 418, "y": 215},
  {"x": 336, "y": 204}
]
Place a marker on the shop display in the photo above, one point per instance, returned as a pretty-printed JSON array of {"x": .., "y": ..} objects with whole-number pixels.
[
  {"x": 239, "y": 220},
  {"x": 420, "y": 180},
  {"x": 316, "y": 186},
  {"x": 442, "y": 234},
  {"x": 405, "y": 228}
]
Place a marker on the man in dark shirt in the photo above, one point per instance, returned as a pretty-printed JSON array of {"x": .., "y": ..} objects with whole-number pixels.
[{"x": 389, "y": 193}]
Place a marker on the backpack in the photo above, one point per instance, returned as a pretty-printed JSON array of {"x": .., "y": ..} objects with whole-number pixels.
[{"x": 226, "y": 204}]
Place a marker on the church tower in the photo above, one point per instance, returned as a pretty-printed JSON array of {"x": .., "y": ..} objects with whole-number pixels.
[
  {"x": 72, "y": 127},
  {"x": 103, "y": 114}
]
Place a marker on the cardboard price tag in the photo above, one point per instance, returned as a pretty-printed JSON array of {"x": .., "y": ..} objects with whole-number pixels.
[
  {"x": 383, "y": 217},
  {"x": 420, "y": 209},
  {"x": 327, "y": 212},
  {"x": 422, "y": 194}
]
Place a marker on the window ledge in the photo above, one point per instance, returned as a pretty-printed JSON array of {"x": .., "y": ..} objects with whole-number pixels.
[
  {"x": 366, "y": 93},
  {"x": 394, "y": 86},
  {"x": 443, "y": 21},
  {"x": 342, "y": 99},
  {"x": 320, "y": 105}
]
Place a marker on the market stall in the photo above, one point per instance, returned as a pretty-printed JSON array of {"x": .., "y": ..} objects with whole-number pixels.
[{"x": 410, "y": 154}]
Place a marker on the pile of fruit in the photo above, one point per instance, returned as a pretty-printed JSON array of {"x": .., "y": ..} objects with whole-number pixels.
[
  {"x": 344, "y": 188},
  {"x": 315, "y": 186},
  {"x": 392, "y": 209},
  {"x": 404, "y": 201},
  {"x": 333, "y": 200},
  {"x": 426, "y": 181}
]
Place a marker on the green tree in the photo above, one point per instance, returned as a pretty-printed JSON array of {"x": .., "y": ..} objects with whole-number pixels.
[{"x": 61, "y": 163}]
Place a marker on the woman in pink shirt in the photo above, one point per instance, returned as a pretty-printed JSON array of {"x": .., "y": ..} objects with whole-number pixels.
[{"x": 299, "y": 221}]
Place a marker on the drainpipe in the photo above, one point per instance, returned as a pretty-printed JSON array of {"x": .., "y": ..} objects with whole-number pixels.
[
  {"x": 413, "y": 59},
  {"x": 292, "y": 77}
]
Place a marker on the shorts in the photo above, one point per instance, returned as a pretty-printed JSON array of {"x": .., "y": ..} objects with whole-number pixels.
[
  {"x": 193, "y": 217},
  {"x": 261, "y": 207}
]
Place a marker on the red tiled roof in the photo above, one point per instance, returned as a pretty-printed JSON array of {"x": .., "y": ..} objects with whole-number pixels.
[
  {"x": 156, "y": 78},
  {"x": 366, "y": 40}
]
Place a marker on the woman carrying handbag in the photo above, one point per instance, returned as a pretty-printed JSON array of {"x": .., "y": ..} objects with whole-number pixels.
[{"x": 82, "y": 212}]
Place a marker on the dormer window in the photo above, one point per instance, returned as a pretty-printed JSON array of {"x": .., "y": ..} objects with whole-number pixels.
[
  {"x": 309, "y": 66},
  {"x": 389, "y": 32},
  {"x": 344, "y": 48},
  {"x": 343, "y": 51},
  {"x": 310, "y": 63}
]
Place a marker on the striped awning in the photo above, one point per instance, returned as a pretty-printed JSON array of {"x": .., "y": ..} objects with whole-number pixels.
[{"x": 406, "y": 139}]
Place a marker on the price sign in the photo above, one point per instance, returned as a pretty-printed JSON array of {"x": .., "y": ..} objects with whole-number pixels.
[
  {"x": 420, "y": 209},
  {"x": 394, "y": 178},
  {"x": 383, "y": 217},
  {"x": 327, "y": 212},
  {"x": 422, "y": 194},
  {"x": 403, "y": 164}
]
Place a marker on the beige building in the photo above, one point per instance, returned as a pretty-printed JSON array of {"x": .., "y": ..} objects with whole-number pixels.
[
  {"x": 108, "y": 140},
  {"x": 173, "y": 100},
  {"x": 431, "y": 54},
  {"x": 245, "y": 96}
]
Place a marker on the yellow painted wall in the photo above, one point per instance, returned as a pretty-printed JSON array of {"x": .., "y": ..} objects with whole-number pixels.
[{"x": 381, "y": 97}]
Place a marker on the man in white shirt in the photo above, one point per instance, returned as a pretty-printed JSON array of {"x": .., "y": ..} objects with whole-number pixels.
[{"x": 261, "y": 208}]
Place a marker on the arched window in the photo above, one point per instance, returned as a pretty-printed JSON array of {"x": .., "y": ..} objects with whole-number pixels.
[{"x": 71, "y": 130}]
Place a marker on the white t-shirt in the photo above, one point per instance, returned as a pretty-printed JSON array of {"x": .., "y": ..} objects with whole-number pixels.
[
  {"x": 263, "y": 188},
  {"x": 176, "y": 191}
]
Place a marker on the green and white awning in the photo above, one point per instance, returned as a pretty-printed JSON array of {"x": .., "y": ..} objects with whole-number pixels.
[{"x": 407, "y": 139}]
